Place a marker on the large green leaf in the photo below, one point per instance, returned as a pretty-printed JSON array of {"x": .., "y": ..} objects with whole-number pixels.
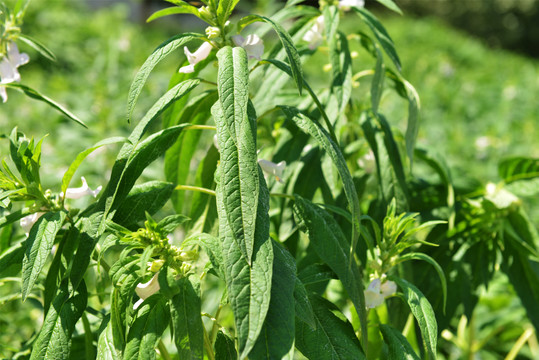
[
  {"x": 330, "y": 244},
  {"x": 147, "y": 328},
  {"x": 399, "y": 348},
  {"x": 236, "y": 133},
  {"x": 247, "y": 285},
  {"x": 54, "y": 339},
  {"x": 277, "y": 337},
  {"x": 333, "y": 338},
  {"x": 38, "y": 248},
  {"x": 162, "y": 51},
  {"x": 148, "y": 197},
  {"x": 423, "y": 313},
  {"x": 186, "y": 321}
]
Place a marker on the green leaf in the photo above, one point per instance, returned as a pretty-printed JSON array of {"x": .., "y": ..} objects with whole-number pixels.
[
  {"x": 380, "y": 33},
  {"x": 148, "y": 197},
  {"x": 162, "y": 51},
  {"x": 12, "y": 258},
  {"x": 38, "y": 248},
  {"x": 377, "y": 85},
  {"x": 247, "y": 286},
  {"x": 390, "y": 4},
  {"x": 179, "y": 9},
  {"x": 225, "y": 348},
  {"x": 437, "y": 267},
  {"x": 329, "y": 243},
  {"x": 54, "y": 339},
  {"x": 38, "y": 46},
  {"x": 333, "y": 338},
  {"x": 423, "y": 313},
  {"x": 399, "y": 347},
  {"x": 185, "y": 310},
  {"x": 224, "y": 10},
  {"x": 146, "y": 330},
  {"x": 332, "y": 149},
  {"x": 106, "y": 350},
  {"x": 236, "y": 134},
  {"x": 304, "y": 310},
  {"x": 288, "y": 45},
  {"x": 277, "y": 337},
  {"x": 68, "y": 175},
  {"x": 34, "y": 94},
  {"x": 518, "y": 168}
]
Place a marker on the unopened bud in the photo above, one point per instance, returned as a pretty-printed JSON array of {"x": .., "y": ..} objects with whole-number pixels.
[{"x": 213, "y": 32}]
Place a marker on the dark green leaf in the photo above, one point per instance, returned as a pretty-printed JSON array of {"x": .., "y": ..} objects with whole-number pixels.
[
  {"x": 225, "y": 348},
  {"x": 399, "y": 347}
]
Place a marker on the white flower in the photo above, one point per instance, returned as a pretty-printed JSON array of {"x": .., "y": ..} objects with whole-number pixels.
[
  {"x": 315, "y": 35},
  {"x": 273, "y": 169},
  {"x": 367, "y": 162},
  {"x": 377, "y": 292},
  {"x": 253, "y": 45},
  {"x": 194, "y": 58},
  {"x": 347, "y": 4},
  {"x": 8, "y": 67},
  {"x": 145, "y": 290},
  {"x": 28, "y": 221},
  {"x": 77, "y": 193}
]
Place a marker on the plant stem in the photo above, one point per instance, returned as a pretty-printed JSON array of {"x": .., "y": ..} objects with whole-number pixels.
[
  {"x": 200, "y": 127},
  {"x": 195, "y": 188},
  {"x": 163, "y": 350},
  {"x": 282, "y": 195},
  {"x": 207, "y": 346}
]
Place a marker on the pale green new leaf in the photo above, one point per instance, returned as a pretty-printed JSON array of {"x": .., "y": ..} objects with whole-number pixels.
[
  {"x": 158, "y": 54},
  {"x": 332, "y": 339},
  {"x": 399, "y": 348},
  {"x": 236, "y": 134},
  {"x": 423, "y": 313},
  {"x": 38, "y": 248},
  {"x": 146, "y": 330}
]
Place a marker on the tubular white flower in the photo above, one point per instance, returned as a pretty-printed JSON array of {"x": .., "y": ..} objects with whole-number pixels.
[
  {"x": 315, "y": 35},
  {"x": 253, "y": 45},
  {"x": 145, "y": 290},
  {"x": 77, "y": 193},
  {"x": 8, "y": 67},
  {"x": 273, "y": 169},
  {"x": 373, "y": 297},
  {"x": 347, "y": 4},
  {"x": 194, "y": 58},
  {"x": 28, "y": 221}
]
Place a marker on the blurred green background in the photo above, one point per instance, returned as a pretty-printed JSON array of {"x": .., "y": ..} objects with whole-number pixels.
[{"x": 479, "y": 96}]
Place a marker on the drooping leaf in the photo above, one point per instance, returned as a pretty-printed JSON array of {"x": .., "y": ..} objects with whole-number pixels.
[
  {"x": 186, "y": 321},
  {"x": 399, "y": 348},
  {"x": 34, "y": 94},
  {"x": 333, "y": 337},
  {"x": 423, "y": 313},
  {"x": 236, "y": 133},
  {"x": 162, "y": 51},
  {"x": 38, "y": 248}
]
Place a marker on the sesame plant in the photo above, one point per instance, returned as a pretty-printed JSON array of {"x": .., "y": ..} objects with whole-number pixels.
[{"x": 293, "y": 220}]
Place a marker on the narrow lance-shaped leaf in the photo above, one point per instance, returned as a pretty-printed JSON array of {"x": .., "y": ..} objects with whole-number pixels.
[
  {"x": 377, "y": 85},
  {"x": 224, "y": 10},
  {"x": 180, "y": 8},
  {"x": 329, "y": 243},
  {"x": 288, "y": 45},
  {"x": 162, "y": 51},
  {"x": 34, "y": 94},
  {"x": 423, "y": 313},
  {"x": 236, "y": 133},
  {"x": 398, "y": 347},
  {"x": 38, "y": 248}
]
